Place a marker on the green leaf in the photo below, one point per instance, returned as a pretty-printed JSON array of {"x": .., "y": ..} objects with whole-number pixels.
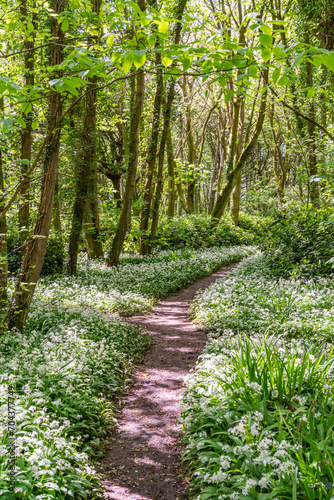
[
  {"x": 276, "y": 74},
  {"x": 64, "y": 25},
  {"x": 163, "y": 26},
  {"x": 139, "y": 58},
  {"x": 228, "y": 96},
  {"x": 151, "y": 40},
  {"x": 186, "y": 63},
  {"x": 283, "y": 80},
  {"x": 280, "y": 53},
  {"x": 318, "y": 60},
  {"x": 25, "y": 161},
  {"x": 266, "y": 29},
  {"x": 26, "y": 107},
  {"x": 110, "y": 40},
  {"x": 6, "y": 124},
  {"x": 298, "y": 59},
  {"x": 30, "y": 26},
  {"x": 135, "y": 7},
  {"x": 266, "y": 54},
  {"x": 127, "y": 63},
  {"x": 21, "y": 122},
  {"x": 144, "y": 20},
  {"x": 310, "y": 92},
  {"x": 266, "y": 40},
  {"x": 166, "y": 61},
  {"x": 330, "y": 61},
  {"x": 34, "y": 124}
]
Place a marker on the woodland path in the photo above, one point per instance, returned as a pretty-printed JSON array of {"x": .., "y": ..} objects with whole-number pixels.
[{"x": 143, "y": 461}]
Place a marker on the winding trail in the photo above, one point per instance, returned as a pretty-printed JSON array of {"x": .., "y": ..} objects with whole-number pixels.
[{"x": 143, "y": 461}]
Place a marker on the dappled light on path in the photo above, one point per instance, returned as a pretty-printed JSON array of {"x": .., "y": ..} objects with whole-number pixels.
[{"x": 143, "y": 461}]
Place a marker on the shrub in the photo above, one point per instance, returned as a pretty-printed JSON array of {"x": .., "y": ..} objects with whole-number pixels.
[
  {"x": 258, "y": 409},
  {"x": 301, "y": 242},
  {"x": 54, "y": 258},
  {"x": 196, "y": 231},
  {"x": 259, "y": 421}
]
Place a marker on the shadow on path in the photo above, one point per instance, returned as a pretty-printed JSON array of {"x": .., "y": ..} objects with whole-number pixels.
[{"x": 143, "y": 461}]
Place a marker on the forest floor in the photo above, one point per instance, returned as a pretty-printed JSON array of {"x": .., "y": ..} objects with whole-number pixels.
[{"x": 143, "y": 460}]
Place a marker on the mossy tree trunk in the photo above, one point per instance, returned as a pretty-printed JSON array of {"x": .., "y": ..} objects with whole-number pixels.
[
  {"x": 26, "y": 132},
  {"x": 86, "y": 184},
  {"x": 232, "y": 172},
  {"x": 3, "y": 231},
  {"x": 151, "y": 157},
  {"x": 36, "y": 245}
]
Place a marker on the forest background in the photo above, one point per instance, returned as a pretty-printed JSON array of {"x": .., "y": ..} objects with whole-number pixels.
[{"x": 134, "y": 126}]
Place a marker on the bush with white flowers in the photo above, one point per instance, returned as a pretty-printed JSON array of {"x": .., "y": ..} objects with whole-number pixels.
[
  {"x": 73, "y": 361},
  {"x": 258, "y": 411}
]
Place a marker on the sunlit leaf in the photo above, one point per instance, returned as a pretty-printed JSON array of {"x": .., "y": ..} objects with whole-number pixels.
[{"x": 266, "y": 40}]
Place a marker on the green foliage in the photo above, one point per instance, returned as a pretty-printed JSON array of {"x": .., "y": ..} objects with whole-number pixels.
[
  {"x": 196, "y": 231},
  {"x": 255, "y": 224},
  {"x": 258, "y": 410},
  {"x": 55, "y": 256},
  {"x": 13, "y": 252},
  {"x": 259, "y": 421},
  {"x": 300, "y": 242},
  {"x": 252, "y": 300},
  {"x": 74, "y": 359}
]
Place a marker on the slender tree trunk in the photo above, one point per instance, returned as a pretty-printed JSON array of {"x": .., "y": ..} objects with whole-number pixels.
[
  {"x": 183, "y": 204},
  {"x": 314, "y": 185},
  {"x": 171, "y": 175},
  {"x": 223, "y": 198},
  {"x": 56, "y": 216},
  {"x": 137, "y": 100},
  {"x": 26, "y": 133},
  {"x": 86, "y": 191},
  {"x": 151, "y": 157},
  {"x": 36, "y": 245},
  {"x": 116, "y": 182},
  {"x": 236, "y": 193},
  {"x": 167, "y": 115},
  {"x": 236, "y": 199},
  {"x": 191, "y": 162},
  {"x": 3, "y": 232}
]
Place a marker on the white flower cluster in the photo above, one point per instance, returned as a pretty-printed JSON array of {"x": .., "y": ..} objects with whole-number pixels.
[{"x": 258, "y": 399}]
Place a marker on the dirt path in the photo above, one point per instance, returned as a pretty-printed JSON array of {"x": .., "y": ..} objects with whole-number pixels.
[{"x": 144, "y": 459}]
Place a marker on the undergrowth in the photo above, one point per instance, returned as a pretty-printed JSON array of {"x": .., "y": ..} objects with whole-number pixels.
[{"x": 258, "y": 409}]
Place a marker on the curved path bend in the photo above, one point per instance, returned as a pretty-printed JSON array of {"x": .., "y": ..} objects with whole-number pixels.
[{"x": 143, "y": 460}]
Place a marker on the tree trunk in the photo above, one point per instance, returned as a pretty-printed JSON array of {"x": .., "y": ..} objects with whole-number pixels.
[
  {"x": 26, "y": 133},
  {"x": 86, "y": 187},
  {"x": 36, "y": 245},
  {"x": 236, "y": 193},
  {"x": 56, "y": 216},
  {"x": 3, "y": 232},
  {"x": 236, "y": 199},
  {"x": 224, "y": 196},
  {"x": 137, "y": 100},
  {"x": 171, "y": 175},
  {"x": 167, "y": 114},
  {"x": 314, "y": 185},
  {"x": 151, "y": 157}
]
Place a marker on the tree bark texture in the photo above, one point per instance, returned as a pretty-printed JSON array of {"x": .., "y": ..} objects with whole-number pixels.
[
  {"x": 171, "y": 176},
  {"x": 37, "y": 243},
  {"x": 86, "y": 198},
  {"x": 151, "y": 157},
  {"x": 167, "y": 115},
  {"x": 26, "y": 133},
  {"x": 3, "y": 232},
  {"x": 223, "y": 198},
  {"x": 137, "y": 101}
]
